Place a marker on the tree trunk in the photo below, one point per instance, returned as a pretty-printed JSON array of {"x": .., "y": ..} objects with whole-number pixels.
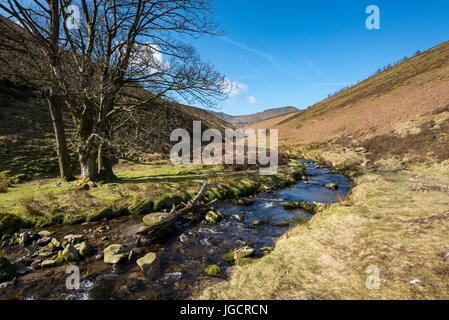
[
  {"x": 89, "y": 165},
  {"x": 65, "y": 168},
  {"x": 106, "y": 171}
]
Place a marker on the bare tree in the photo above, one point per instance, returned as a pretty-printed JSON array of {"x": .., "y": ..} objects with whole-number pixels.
[
  {"x": 30, "y": 54},
  {"x": 117, "y": 48},
  {"x": 125, "y": 45}
]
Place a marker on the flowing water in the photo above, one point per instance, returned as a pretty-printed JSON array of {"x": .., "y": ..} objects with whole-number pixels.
[{"x": 184, "y": 255}]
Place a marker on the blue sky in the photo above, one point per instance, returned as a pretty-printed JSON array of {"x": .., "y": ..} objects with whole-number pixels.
[{"x": 296, "y": 52}]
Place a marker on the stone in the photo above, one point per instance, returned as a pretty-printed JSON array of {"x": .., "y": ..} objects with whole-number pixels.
[
  {"x": 213, "y": 217},
  {"x": 153, "y": 218},
  {"x": 284, "y": 223},
  {"x": 229, "y": 257},
  {"x": 243, "y": 252},
  {"x": 237, "y": 217},
  {"x": 115, "y": 254},
  {"x": 70, "y": 254},
  {"x": 45, "y": 234},
  {"x": 56, "y": 244},
  {"x": 43, "y": 241},
  {"x": 243, "y": 202},
  {"x": 147, "y": 262},
  {"x": 48, "y": 263},
  {"x": 213, "y": 270},
  {"x": 332, "y": 186},
  {"x": 84, "y": 248},
  {"x": 74, "y": 238},
  {"x": 187, "y": 237},
  {"x": 260, "y": 222},
  {"x": 24, "y": 239}
]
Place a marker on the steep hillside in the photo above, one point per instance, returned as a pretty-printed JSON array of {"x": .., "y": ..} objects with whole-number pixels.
[
  {"x": 245, "y": 120},
  {"x": 27, "y": 147},
  {"x": 405, "y": 107}
]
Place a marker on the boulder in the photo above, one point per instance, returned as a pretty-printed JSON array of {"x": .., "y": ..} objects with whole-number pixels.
[
  {"x": 260, "y": 222},
  {"x": 213, "y": 217},
  {"x": 213, "y": 270},
  {"x": 55, "y": 243},
  {"x": 48, "y": 263},
  {"x": 284, "y": 223},
  {"x": 70, "y": 254},
  {"x": 309, "y": 207},
  {"x": 332, "y": 186},
  {"x": 114, "y": 254},
  {"x": 238, "y": 217},
  {"x": 243, "y": 252},
  {"x": 148, "y": 262},
  {"x": 84, "y": 248},
  {"x": 43, "y": 241},
  {"x": 74, "y": 238},
  {"x": 45, "y": 234},
  {"x": 153, "y": 218}
]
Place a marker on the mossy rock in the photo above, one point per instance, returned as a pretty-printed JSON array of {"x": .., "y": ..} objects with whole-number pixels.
[
  {"x": 332, "y": 186},
  {"x": 70, "y": 254},
  {"x": 7, "y": 270},
  {"x": 167, "y": 201},
  {"x": 229, "y": 257},
  {"x": 213, "y": 217},
  {"x": 213, "y": 270},
  {"x": 154, "y": 218},
  {"x": 243, "y": 252},
  {"x": 115, "y": 253},
  {"x": 10, "y": 224},
  {"x": 101, "y": 213},
  {"x": 243, "y": 202},
  {"x": 148, "y": 262},
  {"x": 288, "y": 205},
  {"x": 142, "y": 207},
  {"x": 312, "y": 208}
]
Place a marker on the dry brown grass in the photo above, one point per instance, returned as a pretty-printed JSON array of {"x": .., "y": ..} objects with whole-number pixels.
[
  {"x": 415, "y": 88},
  {"x": 398, "y": 222}
]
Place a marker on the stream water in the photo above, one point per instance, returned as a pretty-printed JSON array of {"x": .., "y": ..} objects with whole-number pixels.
[{"x": 184, "y": 255}]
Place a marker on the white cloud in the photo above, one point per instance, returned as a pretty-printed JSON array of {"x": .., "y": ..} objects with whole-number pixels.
[
  {"x": 252, "y": 100},
  {"x": 238, "y": 92}
]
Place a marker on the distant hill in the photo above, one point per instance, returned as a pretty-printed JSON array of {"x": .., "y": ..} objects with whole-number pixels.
[
  {"x": 245, "y": 120},
  {"x": 402, "y": 111}
]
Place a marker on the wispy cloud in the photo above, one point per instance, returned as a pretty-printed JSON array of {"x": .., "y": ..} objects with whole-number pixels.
[
  {"x": 239, "y": 92},
  {"x": 268, "y": 57}
]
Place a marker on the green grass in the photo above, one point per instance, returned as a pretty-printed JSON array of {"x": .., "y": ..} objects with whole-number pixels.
[{"x": 140, "y": 189}]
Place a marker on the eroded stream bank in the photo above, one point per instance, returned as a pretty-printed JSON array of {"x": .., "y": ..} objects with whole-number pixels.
[{"x": 184, "y": 255}]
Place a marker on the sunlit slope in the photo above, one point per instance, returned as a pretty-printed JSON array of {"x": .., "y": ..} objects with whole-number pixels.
[{"x": 414, "y": 88}]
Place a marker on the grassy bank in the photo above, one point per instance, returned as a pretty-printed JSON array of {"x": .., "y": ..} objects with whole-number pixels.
[
  {"x": 140, "y": 189},
  {"x": 398, "y": 222}
]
